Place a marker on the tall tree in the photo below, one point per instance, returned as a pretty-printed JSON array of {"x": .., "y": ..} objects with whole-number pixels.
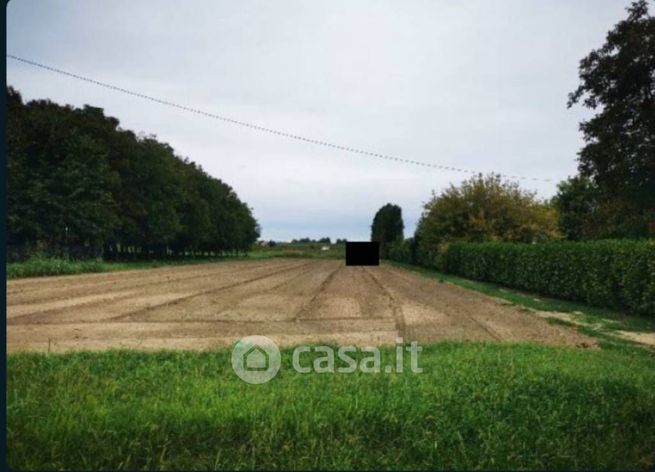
[
  {"x": 618, "y": 80},
  {"x": 387, "y": 227}
]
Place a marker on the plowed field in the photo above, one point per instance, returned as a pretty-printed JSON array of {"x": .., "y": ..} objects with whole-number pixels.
[{"x": 292, "y": 301}]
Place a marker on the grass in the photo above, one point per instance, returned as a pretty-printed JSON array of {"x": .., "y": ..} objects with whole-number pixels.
[
  {"x": 301, "y": 250},
  {"x": 592, "y": 320},
  {"x": 48, "y": 266},
  {"x": 475, "y": 405}
]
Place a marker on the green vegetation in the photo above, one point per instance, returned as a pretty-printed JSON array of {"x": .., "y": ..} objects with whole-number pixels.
[
  {"x": 616, "y": 274},
  {"x": 461, "y": 229},
  {"x": 46, "y": 266},
  {"x": 300, "y": 250},
  {"x": 79, "y": 186},
  {"x": 614, "y": 195},
  {"x": 40, "y": 266},
  {"x": 474, "y": 406},
  {"x": 485, "y": 208},
  {"x": 613, "y": 274}
]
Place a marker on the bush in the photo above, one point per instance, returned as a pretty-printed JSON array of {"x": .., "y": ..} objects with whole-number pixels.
[
  {"x": 401, "y": 251},
  {"x": 612, "y": 273},
  {"x": 41, "y": 266}
]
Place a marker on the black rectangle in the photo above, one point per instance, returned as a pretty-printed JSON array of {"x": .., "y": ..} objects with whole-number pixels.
[{"x": 362, "y": 253}]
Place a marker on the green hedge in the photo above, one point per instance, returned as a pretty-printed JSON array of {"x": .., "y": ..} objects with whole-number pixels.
[{"x": 612, "y": 273}]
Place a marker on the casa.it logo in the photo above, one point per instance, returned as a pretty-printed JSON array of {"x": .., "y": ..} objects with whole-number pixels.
[{"x": 256, "y": 359}]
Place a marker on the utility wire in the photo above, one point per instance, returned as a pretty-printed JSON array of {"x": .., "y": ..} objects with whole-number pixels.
[{"x": 258, "y": 127}]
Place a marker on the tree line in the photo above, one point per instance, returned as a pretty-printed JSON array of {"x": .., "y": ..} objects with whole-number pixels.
[
  {"x": 325, "y": 240},
  {"x": 613, "y": 195},
  {"x": 79, "y": 185}
]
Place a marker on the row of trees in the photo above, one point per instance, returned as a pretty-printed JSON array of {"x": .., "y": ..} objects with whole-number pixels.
[
  {"x": 79, "y": 185},
  {"x": 325, "y": 240}
]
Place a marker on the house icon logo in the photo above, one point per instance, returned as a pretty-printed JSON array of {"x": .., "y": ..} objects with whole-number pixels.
[{"x": 256, "y": 359}]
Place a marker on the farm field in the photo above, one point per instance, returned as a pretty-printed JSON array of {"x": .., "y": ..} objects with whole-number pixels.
[
  {"x": 292, "y": 301},
  {"x": 490, "y": 372}
]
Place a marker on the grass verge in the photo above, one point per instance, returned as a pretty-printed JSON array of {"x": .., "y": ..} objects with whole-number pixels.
[
  {"x": 475, "y": 405},
  {"x": 49, "y": 266},
  {"x": 592, "y": 320}
]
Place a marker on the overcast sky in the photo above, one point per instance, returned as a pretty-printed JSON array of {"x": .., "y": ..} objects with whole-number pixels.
[{"x": 475, "y": 84}]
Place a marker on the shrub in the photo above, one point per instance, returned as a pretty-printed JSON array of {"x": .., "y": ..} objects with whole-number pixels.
[
  {"x": 42, "y": 266},
  {"x": 401, "y": 251},
  {"x": 610, "y": 273}
]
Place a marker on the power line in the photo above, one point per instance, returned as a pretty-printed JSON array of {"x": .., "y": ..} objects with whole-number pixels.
[{"x": 258, "y": 127}]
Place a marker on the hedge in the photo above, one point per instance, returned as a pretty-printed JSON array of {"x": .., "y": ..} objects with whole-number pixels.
[
  {"x": 611, "y": 273},
  {"x": 616, "y": 274}
]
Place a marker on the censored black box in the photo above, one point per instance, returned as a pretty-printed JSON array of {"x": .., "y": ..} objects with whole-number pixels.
[{"x": 362, "y": 253}]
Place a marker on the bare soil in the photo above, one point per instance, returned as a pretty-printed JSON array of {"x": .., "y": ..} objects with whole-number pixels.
[{"x": 292, "y": 301}]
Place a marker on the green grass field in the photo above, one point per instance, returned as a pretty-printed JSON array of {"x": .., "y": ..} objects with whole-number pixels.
[{"x": 474, "y": 406}]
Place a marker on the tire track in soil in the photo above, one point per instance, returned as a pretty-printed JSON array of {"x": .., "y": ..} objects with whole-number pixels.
[
  {"x": 492, "y": 332},
  {"x": 498, "y": 321},
  {"x": 396, "y": 306},
  {"x": 305, "y": 309},
  {"x": 411, "y": 280}
]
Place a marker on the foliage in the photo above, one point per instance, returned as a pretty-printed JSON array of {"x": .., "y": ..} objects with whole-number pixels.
[
  {"x": 612, "y": 273},
  {"x": 325, "y": 240},
  {"x": 387, "y": 227},
  {"x": 483, "y": 209},
  {"x": 37, "y": 266},
  {"x": 41, "y": 266},
  {"x": 585, "y": 212},
  {"x": 300, "y": 251},
  {"x": 474, "y": 406},
  {"x": 577, "y": 202},
  {"x": 619, "y": 155},
  {"x": 80, "y": 186}
]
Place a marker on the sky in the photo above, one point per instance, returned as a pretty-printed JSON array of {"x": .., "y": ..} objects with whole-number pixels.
[{"x": 472, "y": 84}]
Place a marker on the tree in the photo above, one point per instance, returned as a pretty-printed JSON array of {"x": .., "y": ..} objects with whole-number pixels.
[
  {"x": 59, "y": 181},
  {"x": 484, "y": 209},
  {"x": 76, "y": 181},
  {"x": 387, "y": 227},
  {"x": 619, "y": 155},
  {"x": 577, "y": 202}
]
